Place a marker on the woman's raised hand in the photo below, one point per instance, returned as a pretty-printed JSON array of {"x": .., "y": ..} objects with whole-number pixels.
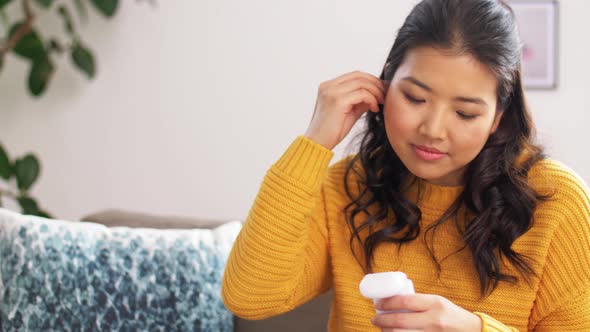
[{"x": 340, "y": 103}]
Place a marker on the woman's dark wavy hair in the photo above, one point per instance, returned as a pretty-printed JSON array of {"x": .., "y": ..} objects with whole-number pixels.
[{"x": 496, "y": 193}]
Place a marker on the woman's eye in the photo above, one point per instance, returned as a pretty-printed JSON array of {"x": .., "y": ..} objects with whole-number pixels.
[
  {"x": 466, "y": 116},
  {"x": 413, "y": 100}
]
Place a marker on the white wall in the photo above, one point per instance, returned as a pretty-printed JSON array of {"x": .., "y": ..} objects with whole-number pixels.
[{"x": 195, "y": 99}]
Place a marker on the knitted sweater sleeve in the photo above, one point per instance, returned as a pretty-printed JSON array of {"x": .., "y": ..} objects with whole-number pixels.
[
  {"x": 563, "y": 298},
  {"x": 280, "y": 258}
]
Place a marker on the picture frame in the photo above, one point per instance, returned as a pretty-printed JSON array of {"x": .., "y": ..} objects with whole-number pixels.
[{"x": 538, "y": 25}]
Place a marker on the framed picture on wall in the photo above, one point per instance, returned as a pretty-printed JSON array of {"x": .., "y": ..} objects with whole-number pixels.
[{"x": 537, "y": 23}]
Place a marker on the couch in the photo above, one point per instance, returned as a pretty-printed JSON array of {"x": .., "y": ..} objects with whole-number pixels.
[{"x": 312, "y": 316}]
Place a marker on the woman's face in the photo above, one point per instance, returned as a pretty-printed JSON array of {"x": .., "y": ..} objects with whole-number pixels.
[{"x": 439, "y": 111}]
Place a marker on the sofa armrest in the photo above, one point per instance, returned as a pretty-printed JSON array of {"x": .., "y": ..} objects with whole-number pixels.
[{"x": 311, "y": 316}]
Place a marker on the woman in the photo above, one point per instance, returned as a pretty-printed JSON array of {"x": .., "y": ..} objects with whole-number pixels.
[{"x": 448, "y": 187}]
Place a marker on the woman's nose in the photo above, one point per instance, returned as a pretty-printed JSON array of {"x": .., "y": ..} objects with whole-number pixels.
[{"x": 432, "y": 125}]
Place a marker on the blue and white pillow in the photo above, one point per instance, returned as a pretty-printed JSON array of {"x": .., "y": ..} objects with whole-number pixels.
[{"x": 78, "y": 276}]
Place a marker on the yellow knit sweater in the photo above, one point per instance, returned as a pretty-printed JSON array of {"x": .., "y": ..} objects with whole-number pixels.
[{"x": 295, "y": 245}]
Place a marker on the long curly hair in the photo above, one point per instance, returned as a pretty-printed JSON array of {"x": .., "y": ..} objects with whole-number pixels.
[{"x": 496, "y": 193}]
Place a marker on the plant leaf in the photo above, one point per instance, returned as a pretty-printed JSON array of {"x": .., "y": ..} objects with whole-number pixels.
[
  {"x": 39, "y": 76},
  {"x": 43, "y": 214},
  {"x": 5, "y": 167},
  {"x": 83, "y": 59},
  {"x": 82, "y": 11},
  {"x": 106, "y": 7},
  {"x": 4, "y": 3},
  {"x": 65, "y": 15},
  {"x": 27, "y": 171},
  {"x": 45, "y": 3},
  {"x": 29, "y": 46},
  {"x": 28, "y": 205}
]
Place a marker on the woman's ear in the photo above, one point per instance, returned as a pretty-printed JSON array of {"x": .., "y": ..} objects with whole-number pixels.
[{"x": 497, "y": 119}]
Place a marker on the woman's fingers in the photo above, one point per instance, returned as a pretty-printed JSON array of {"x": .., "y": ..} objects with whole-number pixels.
[
  {"x": 361, "y": 83},
  {"x": 359, "y": 97},
  {"x": 358, "y": 74}
]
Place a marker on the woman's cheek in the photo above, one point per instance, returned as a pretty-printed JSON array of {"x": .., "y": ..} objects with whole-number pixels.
[
  {"x": 400, "y": 119},
  {"x": 470, "y": 139}
]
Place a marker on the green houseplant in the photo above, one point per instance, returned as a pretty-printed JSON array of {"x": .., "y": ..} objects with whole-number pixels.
[
  {"x": 24, "y": 38},
  {"x": 19, "y": 176}
]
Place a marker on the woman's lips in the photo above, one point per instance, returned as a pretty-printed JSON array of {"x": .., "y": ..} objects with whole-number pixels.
[{"x": 428, "y": 153}]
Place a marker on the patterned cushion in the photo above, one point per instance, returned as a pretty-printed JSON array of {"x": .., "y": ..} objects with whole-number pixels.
[{"x": 79, "y": 276}]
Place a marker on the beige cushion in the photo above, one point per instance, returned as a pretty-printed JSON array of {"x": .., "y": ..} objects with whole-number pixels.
[{"x": 312, "y": 316}]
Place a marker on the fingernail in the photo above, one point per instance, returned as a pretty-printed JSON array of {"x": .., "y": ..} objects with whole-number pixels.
[{"x": 379, "y": 304}]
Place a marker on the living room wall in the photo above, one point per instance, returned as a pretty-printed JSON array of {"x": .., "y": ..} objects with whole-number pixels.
[{"x": 195, "y": 99}]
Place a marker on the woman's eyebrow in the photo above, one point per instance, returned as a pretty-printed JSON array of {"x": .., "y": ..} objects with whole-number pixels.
[
  {"x": 418, "y": 83},
  {"x": 473, "y": 100},
  {"x": 477, "y": 101}
]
